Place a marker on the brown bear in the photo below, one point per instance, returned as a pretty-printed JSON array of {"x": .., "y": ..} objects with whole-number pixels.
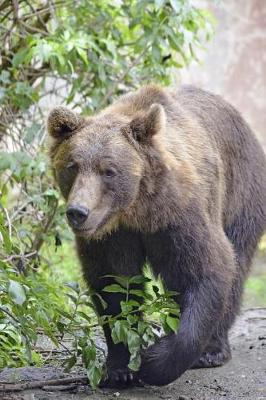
[{"x": 176, "y": 179}]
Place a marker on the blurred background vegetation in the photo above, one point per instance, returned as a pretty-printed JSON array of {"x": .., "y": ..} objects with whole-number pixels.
[{"x": 82, "y": 54}]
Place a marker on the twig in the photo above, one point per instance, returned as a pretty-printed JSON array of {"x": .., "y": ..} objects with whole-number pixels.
[
  {"x": 17, "y": 387},
  {"x": 65, "y": 348},
  {"x": 15, "y": 10},
  {"x": 39, "y": 240},
  {"x": 33, "y": 29},
  {"x": 17, "y": 211},
  {"x": 9, "y": 314},
  {"x": 15, "y": 256},
  {"x": 4, "y": 5},
  {"x": 8, "y": 222}
]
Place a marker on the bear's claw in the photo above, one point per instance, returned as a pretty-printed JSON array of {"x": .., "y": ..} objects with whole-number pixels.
[
  {"x": 119, "y": 378},
  {"x": 212, "y": 360}
]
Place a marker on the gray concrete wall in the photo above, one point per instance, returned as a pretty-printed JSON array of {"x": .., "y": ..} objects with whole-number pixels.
[{"x": 234, "y": 64}]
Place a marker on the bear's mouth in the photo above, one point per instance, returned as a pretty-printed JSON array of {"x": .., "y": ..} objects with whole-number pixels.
[
  {"x": 84, "y": 231},
  {"x": 88, "y": 232}
]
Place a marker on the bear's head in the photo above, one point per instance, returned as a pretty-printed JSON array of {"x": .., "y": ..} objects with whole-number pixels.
[{"x": 102, "y": 164}]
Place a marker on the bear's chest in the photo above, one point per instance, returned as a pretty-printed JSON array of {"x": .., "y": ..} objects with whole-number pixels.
[{"x": 163, "y": 251}]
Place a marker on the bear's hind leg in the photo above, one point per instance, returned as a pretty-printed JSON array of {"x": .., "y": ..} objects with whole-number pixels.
[
  {"x": 244, "y": 234},
  {"x": 216, "y": 354}
]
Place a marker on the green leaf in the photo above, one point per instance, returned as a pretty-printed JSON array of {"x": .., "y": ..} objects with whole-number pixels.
[
  {"x": 142, "y": 326},
  {"x": 69, "y": 363},
  {"x": 114, "y": 288},
  {"x": 31, "y": 132},
  {"x": 83, "y": 55},
  {"x": 139, "y": 279},
  {"x": 132, "y": 319},
  {"x": 43, "y": 50},
  {"x": 88, "y": 354},
  {"x": 128, "y": 306},
  {"x": 42, "y": 319},
  {"x": 135, "y": 362},
  {"x": 173, "y": 323},
  {"x": 102, "y": 301},
  {"x": 54, "y": 193},
  {"x": 140, "y": 293},
  {"x": 72, "y": 285},
  {"x": 5, "y": 77},
  {"x": 20, "y": 57},
  {"x": 94, "y": 374},
  {"x": 73, "y": 298},
  {"x": 121, "y": 280},
  {"x": 119, "y": 332},
  {"x": 133, "y": 341},
  {"x": 6, "y": 160},
  {"x": 125, "y": 307},
  {"x": 17, "y": 292},
  {"x": 84, "y": 316},
  {"x": 66, "y": 314}
]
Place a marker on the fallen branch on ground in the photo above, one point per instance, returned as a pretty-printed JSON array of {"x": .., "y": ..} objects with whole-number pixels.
[{"x": 17, "y": 387}]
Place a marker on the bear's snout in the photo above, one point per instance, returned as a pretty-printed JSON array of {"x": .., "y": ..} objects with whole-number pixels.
[{"x": 76, "y": 215}]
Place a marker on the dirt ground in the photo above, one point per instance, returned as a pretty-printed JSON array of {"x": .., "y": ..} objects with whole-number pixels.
[{"x": 244, "y": 377}]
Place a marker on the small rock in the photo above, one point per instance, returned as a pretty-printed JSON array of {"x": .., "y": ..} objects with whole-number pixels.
[
  {"x": 251, "y": 347},
  {"x": 262, "y": 337},
  {"x": 183, "y": 398},
  {"x": 116, "y": 394}
]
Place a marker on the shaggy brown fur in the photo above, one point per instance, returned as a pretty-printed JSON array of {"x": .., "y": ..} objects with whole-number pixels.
[{"x": 176, "y": 179}]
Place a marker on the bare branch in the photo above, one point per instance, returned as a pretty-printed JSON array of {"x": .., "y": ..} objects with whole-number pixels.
[
  {"x": 8, "y": 223},
  {"x": 17, "y": 387}
]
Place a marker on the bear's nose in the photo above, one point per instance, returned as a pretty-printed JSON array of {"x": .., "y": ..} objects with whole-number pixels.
[{"x": 76, "y": 215}]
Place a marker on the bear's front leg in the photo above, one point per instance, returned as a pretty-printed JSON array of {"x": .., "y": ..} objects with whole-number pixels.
[
  {"x": 206, "y": 277},
  {"x": 118, "y": 373},
  {"x": 120, "y": 253}
]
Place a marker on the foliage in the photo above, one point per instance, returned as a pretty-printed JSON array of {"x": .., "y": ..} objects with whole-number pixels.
[
  {"x": 82, "y": 53},
  {"x": 89, "y": 51},
  {"x": 128, "y": 327},
  {"x": 36, "y": 213},
  {"x": 255, "y": 294},
  {"x": 28, "y": 305},
  {"x": 37, "y": 305}
]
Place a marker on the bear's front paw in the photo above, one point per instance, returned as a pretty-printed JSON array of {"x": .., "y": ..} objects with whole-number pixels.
[
  {"x": 159, "y": 364},
  {"x": 119, "y": 378}
]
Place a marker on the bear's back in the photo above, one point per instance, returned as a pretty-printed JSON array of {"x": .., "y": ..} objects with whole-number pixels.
[{"x": 243, "y": 159}]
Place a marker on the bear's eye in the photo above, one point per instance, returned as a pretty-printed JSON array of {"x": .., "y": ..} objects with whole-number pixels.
[
  {"x": 71, "y": 165},
  {"x": 109, "y": 172}
]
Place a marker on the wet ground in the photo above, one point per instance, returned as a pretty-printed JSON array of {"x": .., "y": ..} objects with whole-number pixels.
[{"x": 244, "y": 377}]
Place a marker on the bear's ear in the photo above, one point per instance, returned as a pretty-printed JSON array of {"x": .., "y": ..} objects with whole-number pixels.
[
  {"x": 62, "y": 122},
  {"x": 147, "y": 124}
]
